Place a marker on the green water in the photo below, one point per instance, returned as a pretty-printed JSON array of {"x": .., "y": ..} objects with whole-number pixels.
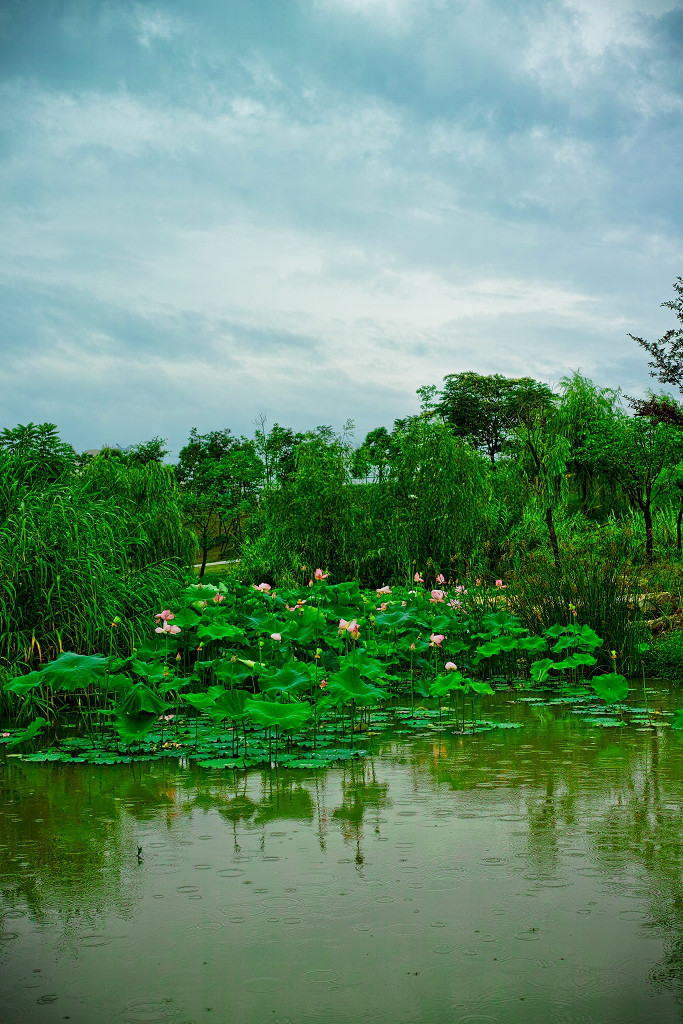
[{"x": 531, "y": 875}]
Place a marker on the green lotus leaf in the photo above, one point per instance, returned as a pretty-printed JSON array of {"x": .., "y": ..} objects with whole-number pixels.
[
  {"x": 281, "y": 716},
  {"x": 539, "y": 669},
  {"x": 200, "y": 701},
  {"x": 22, "y": 684},
  {"x": 134, "y": 727},
  {"x": 532, "y": 643},
  {"x": 140, "y": 700},
  {"x": 479, "y": 686},
  {"x": 348, "y": 685},
  {"x": 677, "y": 720},
  {"x": 220, "y": 631},
  {"x": 610, "y": 687},
  {"x": 29, "y": 733},
  {"x": 232, "y": 704},
  {"x": 292, "y": 678},
  {"x": 74, "y": 671}
]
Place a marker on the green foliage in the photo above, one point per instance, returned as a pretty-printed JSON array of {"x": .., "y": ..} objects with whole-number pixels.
[{"x": 80, "y": 549}]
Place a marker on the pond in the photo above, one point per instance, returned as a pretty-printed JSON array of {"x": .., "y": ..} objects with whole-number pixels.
[{"x": 517, "y": 875}]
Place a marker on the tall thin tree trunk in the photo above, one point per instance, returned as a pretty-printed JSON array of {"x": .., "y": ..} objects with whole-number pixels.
[
  {"x": 649, "y": 535},
  {"x": 679, "y": 525},
  {"x": 553, "y": 536}
]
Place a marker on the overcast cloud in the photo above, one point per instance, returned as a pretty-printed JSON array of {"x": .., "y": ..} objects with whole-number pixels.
[{"x": 309, "y": 208}]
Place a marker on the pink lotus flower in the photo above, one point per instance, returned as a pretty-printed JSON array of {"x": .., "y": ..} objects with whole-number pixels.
[
  {"x": 276, "y": 636},
  {"x": 350, "y": 627},
  {"x": 265, "y": 587},
  {"x": 218, "y": 598},
  {"x": 166, "y": 615},
  {"x": 441, "y": 578},
  {"x": 477, "y": 583},
  {"x": 383, "y": 590},
  {"x": 320, "y": 575},
  {"x": 165, "y": 718},
  {"x": 500, "y": 585},
  {"x": 167, "y": 628},
  {"x": 436, "y": 638},
  {"x": 417, "y": 578},
  {"x": 383, "y": 606},
  {"x": 323, "y": 684},
  {"x": 437, "y": 597},
  {"x": 455, "y": 604},
  {"x": 460, "y": 589},
  {"x": 450, "y": 666}
]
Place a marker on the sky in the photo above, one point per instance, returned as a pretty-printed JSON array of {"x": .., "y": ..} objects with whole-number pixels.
[{"x": 307, "y": 209}]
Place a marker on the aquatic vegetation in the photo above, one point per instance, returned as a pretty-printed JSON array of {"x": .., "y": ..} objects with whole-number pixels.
[{"x": 250, "y": 674}]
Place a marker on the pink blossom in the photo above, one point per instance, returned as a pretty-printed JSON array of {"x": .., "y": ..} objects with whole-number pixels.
[
  {"x": 437, "y": 597},
  {"x": 165, "y": 718},
  {"x": 383, "y": 590},
  {"x": 166, "y": 615},
  {"x": 450, "y": 666},
  {"x": 4, "y": 735},
  {"x": 265, "y": 587},
  {"x": 276, "y": 636},
  {"x": 323, "y": 684},
  {"x": 218, "y": 598},
  {"x": 455, "y": 604},
  {"x": 320, "y": 575},
  {"x": 460, "y": 589},
  {"x": 417, "y": 578},
  {"x": 500, "y": 585},
  {"x": 436, "y": 638},
  {"x": 167, "y": 628},
  {"x": 350, "y": 627},
  {"x": 478, "y": 583},
  {"x": 441, "y": 578},
  {"x": 383, "y": 606}
]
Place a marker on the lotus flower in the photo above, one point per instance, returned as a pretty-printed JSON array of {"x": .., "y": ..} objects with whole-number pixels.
[
  {"x": 417, "y": 578},
  {"x": 441, "y": 578},
  {"x": 450, "y": 666},
  {"x": 500, "y": 585},
  {"x": 167, "y": 628},
  {"x": 460, "y": 589},
  {"x": 436, "y": 638},
  {"x": 455, "y": 604},
  {"x": 166, "y": 615},
  {"x": 437, "y": 597},
  {"x": 383, "y": 590},
  {"x": 320, "y": 575},
  {"x": 276, "y": 636},
  {"x": 265, "y": 587},
  {"x": 350, "y": 627},
  {"x": 218, "y": 598},
  {"x": 383, "y": 606},
  {"x": 323, "y": 684}
]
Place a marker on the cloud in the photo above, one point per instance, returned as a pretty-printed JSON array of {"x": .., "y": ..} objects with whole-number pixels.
[{"x": 310, "y": 210}]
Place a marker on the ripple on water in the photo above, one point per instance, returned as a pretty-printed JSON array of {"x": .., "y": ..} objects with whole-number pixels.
[
  {"x": 322, "y": 977},
  {"x": 152, "y": 1011},
  {"x": 93, "y": 941}
]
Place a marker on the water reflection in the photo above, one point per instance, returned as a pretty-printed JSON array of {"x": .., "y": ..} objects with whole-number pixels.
[{"x": 552, "y": 855}]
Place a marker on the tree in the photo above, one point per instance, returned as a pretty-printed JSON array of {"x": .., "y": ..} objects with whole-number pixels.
[
  {"x": 667, "y": 353},
  {"x": 485, "y": 410},
  {"x": 586, "y": 412},
  {"x": 37, "y": 452},
  {"x": 543, "y": 454},
  {"x": 277, "y": 450},
  {"x": 219, "y": 474},
  {"x": 374, "y": 455},
  {"x": 643, "y": 454}
]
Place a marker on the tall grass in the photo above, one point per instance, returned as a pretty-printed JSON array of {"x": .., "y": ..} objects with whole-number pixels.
[{"x": 71, "y": 561}]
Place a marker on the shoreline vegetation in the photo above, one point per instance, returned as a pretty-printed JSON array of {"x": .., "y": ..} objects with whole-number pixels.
[{"x": 563, "y": 505}]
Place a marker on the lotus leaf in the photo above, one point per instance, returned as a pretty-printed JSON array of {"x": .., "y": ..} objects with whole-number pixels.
[{"x": 611, "y": 687}]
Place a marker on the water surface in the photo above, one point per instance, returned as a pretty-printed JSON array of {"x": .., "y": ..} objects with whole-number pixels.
[{"x": 529, "y": 875}]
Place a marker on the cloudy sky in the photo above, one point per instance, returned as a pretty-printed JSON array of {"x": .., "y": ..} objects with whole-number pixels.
[{"x": 309, "y": 208}]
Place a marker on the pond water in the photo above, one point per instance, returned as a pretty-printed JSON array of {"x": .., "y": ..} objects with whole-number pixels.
[{"x": 521, "y": 875}]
